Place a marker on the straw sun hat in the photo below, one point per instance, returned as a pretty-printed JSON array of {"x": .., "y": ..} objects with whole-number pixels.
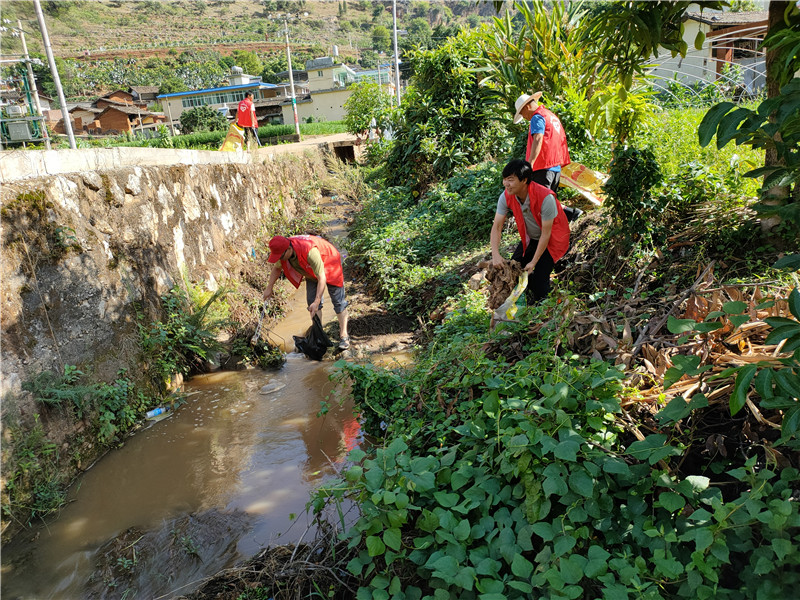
[{"x": 522, "y": 102}]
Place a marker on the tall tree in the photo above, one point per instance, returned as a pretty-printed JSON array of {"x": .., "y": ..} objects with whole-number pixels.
[{"x": 774, "y": 125}]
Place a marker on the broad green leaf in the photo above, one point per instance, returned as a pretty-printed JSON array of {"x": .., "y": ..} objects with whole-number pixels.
[
  {"x": 544, "y": 530},
  {"x": 703, "y": 538},
  {"x": 788, "y": 381},
  {"x": 791, "y": 423},
  {"x": 521, "y": 566},
  {"x": 790, "y": 263},
  {"x": 567, "y": 450},
  {"x": 739, "y": 395},
  {"x": 680, "y": 325},
  {"x": 706, "y": 327},
  {"x": 446, "y": 499},
  {"x": 671, "y": 501},
  {"x": 643, "y": 449},
  {"x": 572, "y": 568},
  {"x": 777, "y": 335},
  {"x": 699, "y": 39},
  {"x": 678, "y": 408},
  {"x": 461, "y": 531},
  {"x": 735, "y": 307},
  {"x": 617, "y": 466},
  {"x": 354, "y": 473},
  {"x": 698, "y": 483},
  {"x": 356, "y": 454},
  {"x": 582, "y": 483},
  {"x": 554, "y": 485},
  {"x": 563, "y": 544},
  {"x": 739, "y": 320},
  {"x": 763, "y": 383},
  {"x": 662, "y": 453},
  {"x": 781, "y": 547},
  {"x": 446, "y": 566},
  {"x": 792, "y": 344},
  {"x": 794, "y": 301},
  {"x": 491, "y": 404},
  {"x": 375, "y": 546},
  {"x": 391, "y": 537},
  {"x": 708, "y": 126},
  {"x": 729, "y": 124},
  {"x": 465, "y": 578}
]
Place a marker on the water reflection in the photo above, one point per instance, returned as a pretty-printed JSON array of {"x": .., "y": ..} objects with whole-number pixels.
[{"x": 229, "y": 448}]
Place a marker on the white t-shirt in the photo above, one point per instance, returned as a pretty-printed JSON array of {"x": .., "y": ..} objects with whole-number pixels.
[{"x": 549, "y": 211}]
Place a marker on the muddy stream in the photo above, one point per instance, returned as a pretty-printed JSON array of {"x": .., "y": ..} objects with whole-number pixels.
[{"x": 223, "y": 476}]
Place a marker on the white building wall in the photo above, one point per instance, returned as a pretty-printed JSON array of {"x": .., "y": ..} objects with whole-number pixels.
[
  {"x": 696, "y": 66},
  {"x": 324, "y": 106}
]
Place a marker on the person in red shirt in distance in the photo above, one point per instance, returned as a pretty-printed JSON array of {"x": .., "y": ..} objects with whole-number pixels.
[{"x": 246, "y": 117}]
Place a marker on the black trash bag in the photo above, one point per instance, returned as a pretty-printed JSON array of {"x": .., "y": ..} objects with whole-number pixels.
[{"x": 316, "y": 342}]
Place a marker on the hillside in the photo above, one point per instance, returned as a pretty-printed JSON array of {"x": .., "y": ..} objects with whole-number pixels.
[{"x": 138, "y": 29}]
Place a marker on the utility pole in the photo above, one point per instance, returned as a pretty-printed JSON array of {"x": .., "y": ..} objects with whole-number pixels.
[
  {"x": 396, "y": 56},
  {"x": 56, "y": 79},
  {"x": 32, "y": 82},
  {"x": 291, "y": 77}
]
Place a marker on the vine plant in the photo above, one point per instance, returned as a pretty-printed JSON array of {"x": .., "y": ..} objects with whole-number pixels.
[{"x": 526, "y": 485}]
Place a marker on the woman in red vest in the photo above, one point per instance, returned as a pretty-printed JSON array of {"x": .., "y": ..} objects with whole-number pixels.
[
  {"x": 316, "y": 260},
  {"x": 541, "y": 222}
]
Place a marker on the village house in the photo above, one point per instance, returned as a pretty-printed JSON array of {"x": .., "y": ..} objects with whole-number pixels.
[
  {"x": 329, "y": 87},
  {"x": 145, "y": 94},
  {"x": 267, "y": 98},
  {"x": 115, "y": 113},
  {"x": 732, "y": 40}
]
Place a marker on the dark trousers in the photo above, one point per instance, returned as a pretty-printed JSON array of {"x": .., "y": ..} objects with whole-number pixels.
[
  {"x": 539, "y": 280},
  {"x": 550, "y": 179},
  {"x": 251, "y": 132}
]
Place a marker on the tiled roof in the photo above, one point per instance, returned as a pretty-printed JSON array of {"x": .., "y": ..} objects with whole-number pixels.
[
  {"x": 128, "y": 110},
  {"x": 729, "y": 18},
  {"x": 144, "y": 89}
]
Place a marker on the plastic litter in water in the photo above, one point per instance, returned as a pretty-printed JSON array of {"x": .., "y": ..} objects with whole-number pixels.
[
  {"x": 272, "y": 386},
  {"x": 151, "y": 414}
]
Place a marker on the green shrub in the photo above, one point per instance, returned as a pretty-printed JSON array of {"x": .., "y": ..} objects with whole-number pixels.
[
  {"x": 407, "y": 247},
  {"x": 633, "y": 208},
  {"x": 184, "y": 340},
  {"x": 500, "y": 479}
]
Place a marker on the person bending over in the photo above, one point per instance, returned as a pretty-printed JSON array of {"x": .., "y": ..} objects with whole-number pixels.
[
  {"x": 541, "y": 222},
  {"x": 316, "y": 260}
]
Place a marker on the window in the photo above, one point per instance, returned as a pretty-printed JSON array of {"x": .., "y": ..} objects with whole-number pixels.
[{"x": 319, "y": 73}]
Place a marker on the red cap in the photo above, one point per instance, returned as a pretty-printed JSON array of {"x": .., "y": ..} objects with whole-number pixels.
[{"x": 278, "y": 245}]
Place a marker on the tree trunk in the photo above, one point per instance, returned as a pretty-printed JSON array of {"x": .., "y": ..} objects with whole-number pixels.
[{"x": 777, "y": 195}]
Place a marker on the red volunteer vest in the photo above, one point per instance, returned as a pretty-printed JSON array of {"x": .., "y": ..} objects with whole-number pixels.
[
  {"x": 244, "y": 114},
  {"x": 559, "y": 236},
  {"x": 302, "y": 245},
  {"x": 554, "y": 151}
]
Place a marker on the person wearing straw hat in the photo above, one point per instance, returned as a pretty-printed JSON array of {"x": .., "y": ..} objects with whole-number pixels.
[
  {"x": 547, "y": 149},
  {"x": 316, "y": 260}
]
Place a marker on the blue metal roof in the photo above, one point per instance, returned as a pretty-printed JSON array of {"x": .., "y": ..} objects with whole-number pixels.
[{"x": 260, "y": 85}]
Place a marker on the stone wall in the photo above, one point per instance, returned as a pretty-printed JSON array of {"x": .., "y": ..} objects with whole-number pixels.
[{"x": 79, "y": 249}]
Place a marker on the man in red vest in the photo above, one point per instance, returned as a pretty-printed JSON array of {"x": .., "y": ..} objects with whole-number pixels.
[
  {"x": 547, "y": 149},
  {"x": 316, "y": 260},
  {"x": 541, "y": 222},
  {"x": 246, "y": 117}
]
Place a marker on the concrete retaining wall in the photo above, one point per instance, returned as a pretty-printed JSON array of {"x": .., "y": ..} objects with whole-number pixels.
[
  {"x": 27, "y": 164},
  {"x": 80, "y": 247}
]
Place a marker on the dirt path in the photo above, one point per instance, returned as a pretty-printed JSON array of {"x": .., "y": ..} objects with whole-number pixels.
[{"x": 372, "y": 328}]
